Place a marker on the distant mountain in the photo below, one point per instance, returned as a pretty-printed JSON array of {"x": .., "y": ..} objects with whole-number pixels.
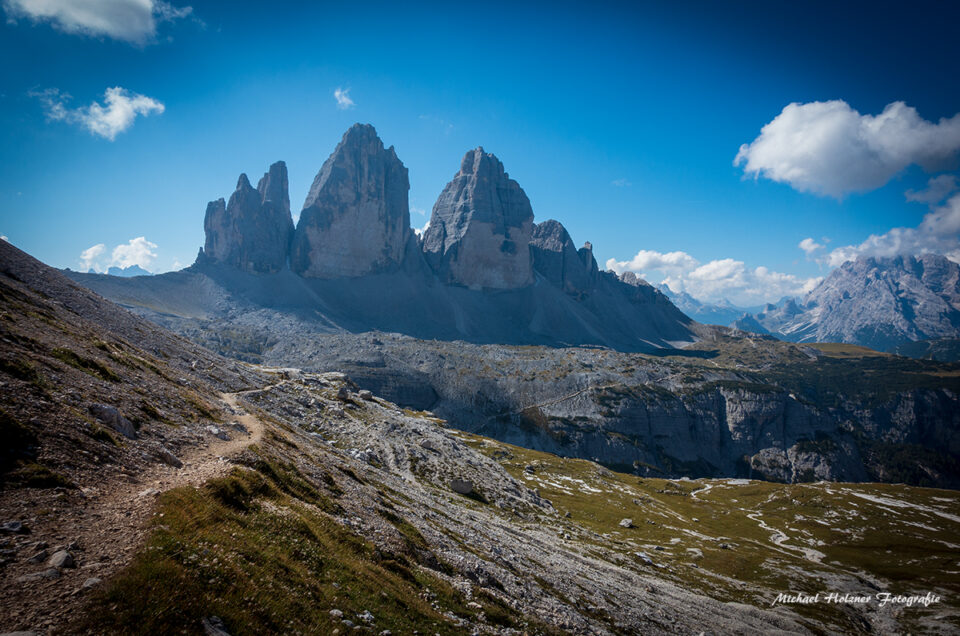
[
  {"x": 881, "y": 303},
  {"x": 128, "y": 272},
  {"x": 483, "y": 272},
  {"x": 723, "y": 313}
]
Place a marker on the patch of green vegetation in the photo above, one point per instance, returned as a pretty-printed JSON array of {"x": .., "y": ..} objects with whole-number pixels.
[
  {"x": 265, "y": 561},
  {"x": 87, "y": 365},
  {"x": 25, "y": 371},
  {"x": 102, "y": 434},
  {"x": 200, "y": 407},
  {"x": 33, "y": 475},
  {"x": 16, "y": 439}
]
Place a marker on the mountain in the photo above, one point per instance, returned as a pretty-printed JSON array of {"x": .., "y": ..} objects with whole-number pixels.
[
  {"x": 480, "y": 228},
  {"x": 483, "y": 272},
  {"x": 722, "y": 313},
  {"x": 130, "y": 270},
  {"x": 252, "y": 232},
  {"x": 356, "y": 219},
  {"x": 148, "y": 485},
  {"x": 880, "y": 303}
]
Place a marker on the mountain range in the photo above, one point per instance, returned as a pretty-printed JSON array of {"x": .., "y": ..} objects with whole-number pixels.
[{"x": 881, "y": 303}]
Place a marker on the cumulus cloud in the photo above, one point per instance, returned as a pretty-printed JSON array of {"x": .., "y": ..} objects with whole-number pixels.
[
  {"x": 343, "y": 98},
  {"x": 89, "y": 257},
  {"x": 716, "y": 280},
  {"x": 118, "y": 112},
  {"x": 137, "y": 251},
  {"x": 133, "y": 21},
  {"x": 829, "y": 148},
  {"x": 938, "y": 189},
  {"x": 938, "y": 233},
  {"x": 420, "y": 231},
  {"x": 809, "y": 246}
]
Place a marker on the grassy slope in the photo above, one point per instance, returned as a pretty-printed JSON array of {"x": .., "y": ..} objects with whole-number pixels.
[{"x": 708, "y": 541}]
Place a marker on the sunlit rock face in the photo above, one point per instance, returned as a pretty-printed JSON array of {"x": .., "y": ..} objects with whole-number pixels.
[
  {"x": 480, "y": 229},
  {"x": 356, "y": 218}
]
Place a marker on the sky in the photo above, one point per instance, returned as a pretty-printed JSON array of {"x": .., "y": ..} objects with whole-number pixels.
[{"x": 732, "y": 150}]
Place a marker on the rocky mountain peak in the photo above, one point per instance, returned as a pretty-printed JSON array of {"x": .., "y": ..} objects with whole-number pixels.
[
  {"x": 480, "y": 228},
  {"x": 252, "y": 231},
  {"x": 356, "y": 218},
  {"x": 557, "y": 260}
]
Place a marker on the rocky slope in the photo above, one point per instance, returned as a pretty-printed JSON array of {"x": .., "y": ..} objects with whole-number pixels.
[
  {"x": 729, "y": 406},
  {"x": 271, "y": 500},
  {"x": 875, "y": 302},
  {"x": 723, "y": 313}
]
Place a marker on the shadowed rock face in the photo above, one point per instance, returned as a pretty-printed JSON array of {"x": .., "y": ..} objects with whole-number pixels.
[
  {"x": 252, "y": 231},
  {"x": 480, "y": 229},
  {"x": 356, "y": 219},
  {"x": 557, "y": 260}
]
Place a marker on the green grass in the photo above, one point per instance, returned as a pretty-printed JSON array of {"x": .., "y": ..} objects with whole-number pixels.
[
  {"x": 856, "y": 535},
  {"x": 32, "y": 475},
  {"x": 256, "y": 549},
  {"x": 87, "y": 365}
]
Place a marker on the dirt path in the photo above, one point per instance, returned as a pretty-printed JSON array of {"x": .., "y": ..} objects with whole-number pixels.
[{"x": 105, "y": 529}]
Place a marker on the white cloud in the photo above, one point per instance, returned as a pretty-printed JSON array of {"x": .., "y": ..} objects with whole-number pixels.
[
  {"x": 938, "y": 233},
  {"x": 809, "y": 246},
  {"x": 137, "y": 251},
  {"x": 343, "y": 98},
  {"x": 3, "y": 237},
  {"x": 621, "y": 183},
  {"x": 133, "y": 21},
  {"x": 938, "y": 189},
  {"x": 417, "y": 210},
  {"x": 106, "y": 120},
  {"x": 716, "y": 280},
  {"x": 420, "y": 231},
  {"x": 829, "y": 148},
  {"x": 89, "y": 256}
]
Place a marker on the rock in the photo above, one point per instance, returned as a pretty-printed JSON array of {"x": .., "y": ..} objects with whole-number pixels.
[
  {"x": 336, "y": 614},
  {"x": 480, "y": 228},
  {"x": 349, "y": 624},
  {"x": 365, "y": 395},
  {"x": 213, "y": 626},
  {"x": 356, "y": 218},
  {"x": 62, "y": 559},
  {"x": 366, "y": 617},
  {"x": 217, "y": 432},
  {"x": 343, "y": 394},
  {"x": 111, "y": 417},
  {"x": 39, "y": 557},
  {"x": 461, "y": 486},
  {"x": 556, "y": 259},
  {"x": 169, "y": 458},
  {"x": 252, "y": 232},
  {"x": 626, "y": 523},
  {"x": 14, "y": 527},
  {"x": 48, "y": 574},
  {"x": 19, "y": 634},
  {"x": 239, "y": 427},
  {"x": 92, "y": 582},
  {"x": 643, "y": 557}
]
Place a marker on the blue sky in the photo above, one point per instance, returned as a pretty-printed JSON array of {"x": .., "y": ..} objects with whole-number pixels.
[{"x": 620, "y": 120}]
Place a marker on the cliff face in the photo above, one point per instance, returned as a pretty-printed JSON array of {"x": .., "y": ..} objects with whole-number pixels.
[
  {"x": 356, "y": 218},
  {"x": 480, "y": 229},
  {"x": 251, "y": 232}
]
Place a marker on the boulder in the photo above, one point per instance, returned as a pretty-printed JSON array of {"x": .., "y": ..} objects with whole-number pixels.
[
  {"x": 62, "y": 559},
  {"x": 111, "y": 417},
  {"x": 356, "y": 218},
  {"x": 461, "y": 486},
  {"x": 626, "y": 523},
  {"x": 480, "y": 229}
]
